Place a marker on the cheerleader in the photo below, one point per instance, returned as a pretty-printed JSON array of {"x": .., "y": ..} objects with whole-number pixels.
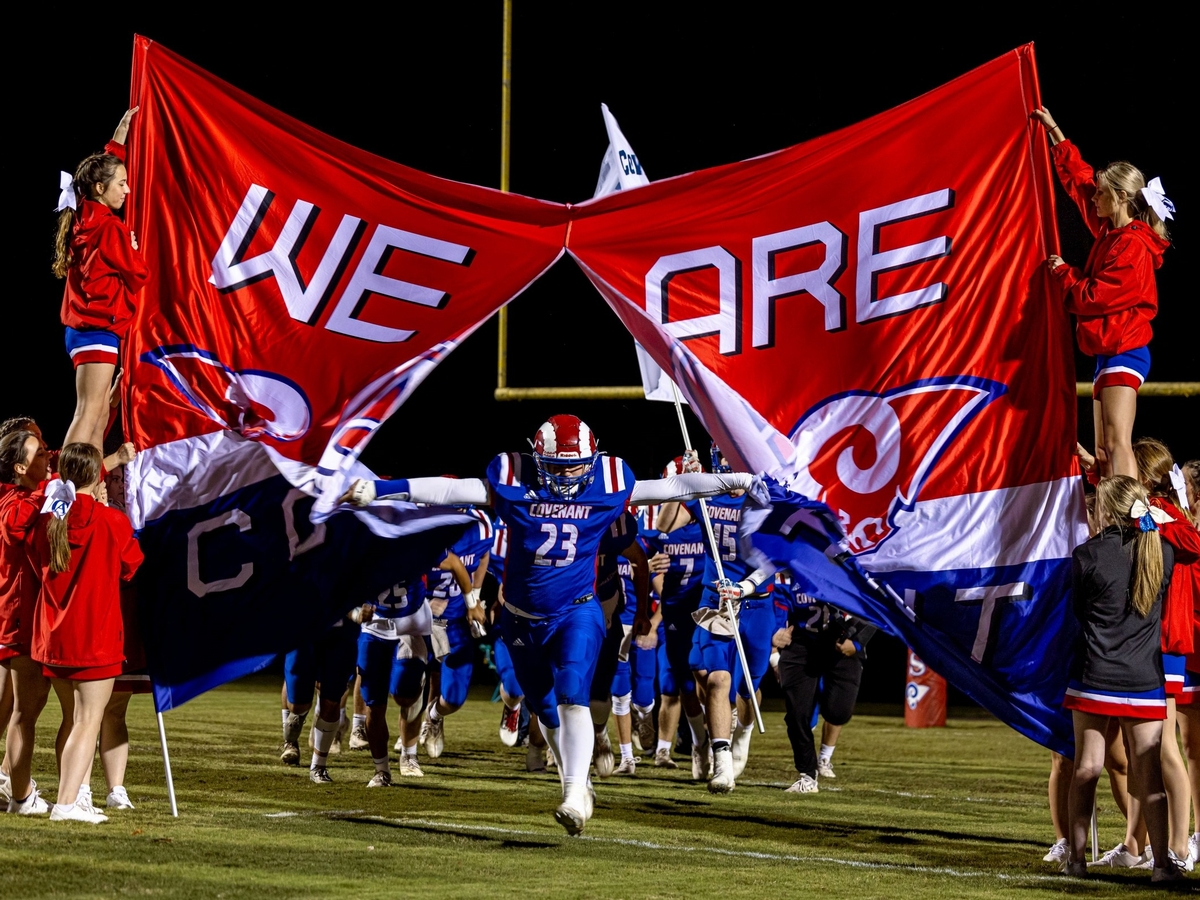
[
  {"x": 1118, "y": 578},
  {"x": 1166, "y": 485},
  {"x": 98, "y": 256},
  {"x": 82, "y": 551},
  {"x": 1113, "y": 296},
  {"x": 23, "y": 466}
]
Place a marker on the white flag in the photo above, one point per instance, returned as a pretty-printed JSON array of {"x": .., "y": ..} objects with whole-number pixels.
[{"x": 621, "y": 170}]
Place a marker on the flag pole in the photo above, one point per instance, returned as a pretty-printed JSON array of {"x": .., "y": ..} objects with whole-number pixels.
[
  {"x": 162, "y": 739},
  {"x": 716, "y": 555},
  {"x": 1095, "y": 833}
]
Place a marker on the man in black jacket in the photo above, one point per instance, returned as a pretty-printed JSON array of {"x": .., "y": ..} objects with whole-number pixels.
[{"x": 821, "y": 655}]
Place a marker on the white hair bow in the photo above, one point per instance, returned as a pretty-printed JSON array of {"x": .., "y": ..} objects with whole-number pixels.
[
  {"x": 1153, "y": 192},
  {"x": 1148, "y": 517},
  {"x": 1180, "y": 485},
  {"x": 66, "y": 197},
  {"x": 59, "y": 497}
]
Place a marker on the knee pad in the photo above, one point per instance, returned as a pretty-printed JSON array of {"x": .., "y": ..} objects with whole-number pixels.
[{"x": 620, "y": 704}]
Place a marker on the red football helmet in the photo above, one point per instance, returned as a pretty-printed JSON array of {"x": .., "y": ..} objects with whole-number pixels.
[{"x": 564, "y": 441}]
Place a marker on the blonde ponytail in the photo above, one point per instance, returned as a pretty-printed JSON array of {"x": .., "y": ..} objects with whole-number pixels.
[{"x": 1115, "y": 496}]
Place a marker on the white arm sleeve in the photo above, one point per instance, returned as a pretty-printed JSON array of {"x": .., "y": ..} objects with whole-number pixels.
[
  {"x": 448, "y": 491},
  {"x": 688, "y": 487}
]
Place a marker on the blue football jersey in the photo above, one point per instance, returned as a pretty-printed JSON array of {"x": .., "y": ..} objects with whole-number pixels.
[
  {"x": 683, "y": 582},
  {"x": 470, "y": 548},
  {"x": 401, "y": 600},
  {"x": 553, "y": 543},
  {"x": 725, "y": 512}
]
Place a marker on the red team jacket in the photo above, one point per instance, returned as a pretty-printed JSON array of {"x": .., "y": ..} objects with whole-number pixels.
[
  {"x": 1114, "y": 297},
  {"x": 18, "y": 580},
  {"x": 107, "y": 271},
  {"x": 78, "y": 621}
]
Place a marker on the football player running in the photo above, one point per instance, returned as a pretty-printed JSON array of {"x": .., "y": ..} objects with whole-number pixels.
[
  {"x": 755, "y": 624},
  {"x": 558, "y": 503},
  {"x": 458, "y": 617},
  {"x": 392, "y": 659}
]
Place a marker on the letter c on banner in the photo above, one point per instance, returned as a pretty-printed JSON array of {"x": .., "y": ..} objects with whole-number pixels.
[{"x": 199, "y": 587}]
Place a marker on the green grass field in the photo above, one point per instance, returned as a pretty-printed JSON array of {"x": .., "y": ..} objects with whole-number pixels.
[{"x": 942, "y": 813}]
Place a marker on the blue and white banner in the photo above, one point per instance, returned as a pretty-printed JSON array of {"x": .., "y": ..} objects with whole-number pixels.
[
  {"x": 979, "y": 626},
  {"x": 236, "y": 572}
]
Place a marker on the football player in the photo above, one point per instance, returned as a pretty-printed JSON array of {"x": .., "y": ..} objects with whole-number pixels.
[
  {"x": 392, "y": 659},
  {"x": 755, "y": 624},
  {"x": 558, "y": 503},
  {"x": 458, "y": 617},
  {"x": 679, "y": 590},
  {"x": 328, "y": 660}
]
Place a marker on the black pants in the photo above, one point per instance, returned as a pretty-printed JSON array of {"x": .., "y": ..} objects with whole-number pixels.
[{"x": 808, "y": 666}]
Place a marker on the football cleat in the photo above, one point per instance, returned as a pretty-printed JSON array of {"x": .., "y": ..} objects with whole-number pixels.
[
  {"x": 510, "y": 726},
  {"x": 575, "y": 810},
  {"x": 381, "y": 779},
  {"x": 602, "y": 755},
  {"x": 662, "y": 759},
  {"x": 409, "y": 767},
  {"x": 433, "y": 735},
  {"x": 805, "y": 784},
  {"x": 825, "y": 768},
  {"x": 320, "y": 775},
  {"x": 118, "y": 798},
  {"x": 722, "y": 781},
  {"x": 701, "y": 761},
  {"x": 358, "y": 738},
  {"x": 628, "y": 766},
  {"x": 564, "y": 442},
  {"x": 291, "y": 754}
]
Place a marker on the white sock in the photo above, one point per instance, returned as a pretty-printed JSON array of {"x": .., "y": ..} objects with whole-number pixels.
[
  {"x": 434, "y": 715},
  {"x": 576, "y": 737},
  {"x": 284, "y": 713},
  {"x": 63, "y": 807},
  {"x": 663, "y": 745},
  {"x": 827, "y": 752},
  {"x": 699, "y": 729},
  {"x": 644, "y": 710},
  {"x": 360, "y": 721},
  {"x": 410, "y": 750},
  {"x": 341, "y": 719},
  {"x": 323, "y": 734},
  {"x": 626, "y": 751},
  {"x": 382, "y": 765}
]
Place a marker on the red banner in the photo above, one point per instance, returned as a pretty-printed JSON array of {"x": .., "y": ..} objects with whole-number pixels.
[
  {"x": 876, "y": 296},
  {"x": 292, "y": 270}
]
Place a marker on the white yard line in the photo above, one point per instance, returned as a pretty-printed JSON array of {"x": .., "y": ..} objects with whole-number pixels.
[{"x": 682, "y": 848}]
